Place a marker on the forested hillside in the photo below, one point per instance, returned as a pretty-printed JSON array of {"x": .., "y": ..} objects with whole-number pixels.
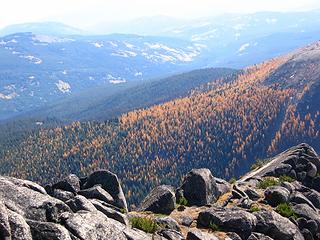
[{"x": 269, "y": 107}]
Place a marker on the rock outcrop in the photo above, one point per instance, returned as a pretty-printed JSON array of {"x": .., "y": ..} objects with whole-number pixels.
[
  {"x": 64, "y": 212},
  {"x": 200, "y": 187},
  {"x": 110, "y": 183},
  {"x": 160, "y": 200},
  {"x": 279, "y": 201},
  {"x": 231, "y": 220}
]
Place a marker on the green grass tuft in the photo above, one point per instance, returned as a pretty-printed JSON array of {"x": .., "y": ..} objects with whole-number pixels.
[
  {"x": 259, "y": 163},
  {"x": 145, "y": 224},
  {"x": 182, "y": 201},
  {"x": 214, "y": 227},
  {"x": 254, "y": 209},
  {"x": 232, "y": 180},
  {"x": 286, "y": 178},
  {"x": 285, "y": 210},
  {"x": 267, "y": 182}
]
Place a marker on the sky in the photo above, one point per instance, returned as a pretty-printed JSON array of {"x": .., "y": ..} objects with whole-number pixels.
[{"x": 85, "y": 13}]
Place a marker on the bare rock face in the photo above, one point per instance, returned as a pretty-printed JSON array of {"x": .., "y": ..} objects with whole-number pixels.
[
  {"x": 198, "y": 235},
  {"x": 46, "y": 230},
  {"x": 275, "y": 226},
  {"x": 19, "y": 227},
  {"x": 93, "y": 225},
  {"x": 71, "y": 184},
  {"x": 97, "y": 192},
  {"x": 199, "y": 187},
  {"x": 276, "y": 194},
  {"x": 259, "y": 236},
  {"x": 110, "y": 183},
  {"x": 29, "y": 202},
  {"x": 307, "y": 212},
  {"x": 4, "y": 222},
  {"x": 80, "y": 203},
  {"x": 110, "y": 212},
  {"x": 232, "y": 220},
  {"x": 27, "y": 212},
  {"x": 160, "y": 200},
  {"x": 301, "y": 162}
]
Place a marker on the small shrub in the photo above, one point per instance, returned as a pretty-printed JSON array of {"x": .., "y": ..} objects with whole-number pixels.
[
  {"x": 258, "y": 164},
  {"x": 254, "y": 209},
  {"x": 267, "y": 182},
  {"x": 145, "y": 224},
  {"x": 232, "y": 180},
  {"x": 182, "y": 201},
  {"x": 285, "y": 210},
  {"x": 214, "y": 227},
  {"x": 286, "y": 178}
]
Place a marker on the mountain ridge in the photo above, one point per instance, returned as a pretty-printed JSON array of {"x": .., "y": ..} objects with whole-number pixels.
[{"x": 45, "y": 28}]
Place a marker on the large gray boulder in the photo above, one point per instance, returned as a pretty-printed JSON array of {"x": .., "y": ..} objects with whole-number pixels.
[
  {"x": 169, "y": 234},
  {"x": 222, "y": 185},
  {"x": 30, "y": 200},
  {"x": 48, "y": 231},
  {"x": 136, "y": 234},
  {"x": 20, "y": 230},
  {"x": 61, "y": 194},
  {"x": 97, "y": 192},
  {"x": 196, "y": 234},
  {"x": 199, "y": 187},
  {"x": 94, "y": 226},
  {"x": 307, "y": 212},
  {"x": 303, "y": 159},
  {"x": 314, "y": 197},
  {"x": 25, "y": 183},
  {"x": 259, "y": 236},
  {"x": 110, "y": 183},
  {"x": 80, "y": 203},
  {"x": 275, "y": 226},
  {"x": 232, "y": 220},
  {"x": 168, "y": 223},
  {"x": 276, "y": 194},
  {"x": 4, "y": 222},
  {"x": 109, "y": 212},
  {"x": 160, "y": 200},
  {"x": 70, "y": 183},
  {"x": 299, "y": 198}
]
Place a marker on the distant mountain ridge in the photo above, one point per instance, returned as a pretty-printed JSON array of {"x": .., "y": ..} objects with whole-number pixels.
[
  {"x": 53, "y": 61},
  {"x": 44, "y": 28}
]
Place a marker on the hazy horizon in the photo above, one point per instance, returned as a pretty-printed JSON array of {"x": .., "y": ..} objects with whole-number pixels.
[{"x": 86, "y": 14}]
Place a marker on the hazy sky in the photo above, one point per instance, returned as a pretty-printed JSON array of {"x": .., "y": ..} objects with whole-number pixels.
[{"x": 83, "y": 13}]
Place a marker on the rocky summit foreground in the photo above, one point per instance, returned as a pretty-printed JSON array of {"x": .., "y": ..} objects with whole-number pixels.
[{"x": 279, "y": 199}]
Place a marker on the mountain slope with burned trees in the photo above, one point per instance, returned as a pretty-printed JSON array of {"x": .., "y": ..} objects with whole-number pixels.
[{"x": 226, "y": 128}]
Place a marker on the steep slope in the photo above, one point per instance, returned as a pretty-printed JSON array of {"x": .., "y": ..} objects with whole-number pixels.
[
  {"x": 100, "y": 104},
  {"x": 224, "y": 128}
]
